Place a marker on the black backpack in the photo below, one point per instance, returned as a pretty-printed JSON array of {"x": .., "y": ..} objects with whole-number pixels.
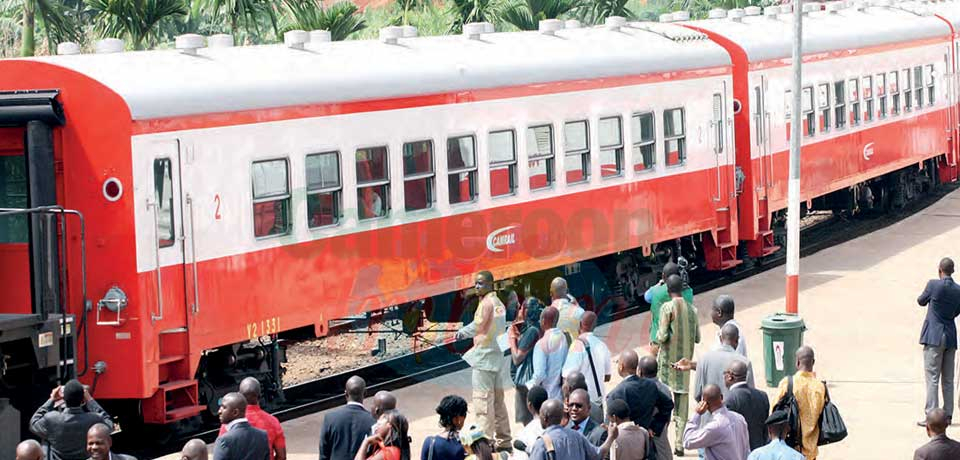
[{"x": 788, "y": 404}]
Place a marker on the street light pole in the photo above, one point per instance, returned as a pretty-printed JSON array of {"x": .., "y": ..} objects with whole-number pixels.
[{"x": 793, "y": 190}]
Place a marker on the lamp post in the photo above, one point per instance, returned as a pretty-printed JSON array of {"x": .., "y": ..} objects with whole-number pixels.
[{"x": 793, "y": 190}]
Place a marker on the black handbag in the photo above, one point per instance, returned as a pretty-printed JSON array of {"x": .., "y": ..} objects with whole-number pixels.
[
  {"x": 832, "y": 428},
  {"x": 788, "y": 404}
]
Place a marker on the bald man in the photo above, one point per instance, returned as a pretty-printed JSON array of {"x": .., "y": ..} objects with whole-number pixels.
[
  {"x": 940, "y": 446},
  {"x": 724, "y": 436},
  {"x": 590, "y": 356},
  {"x": 343, "y": 429},
  {"x": 810, "y": 393},
  {"x": 549, "y": 354},
  {"x": 751, "y": 403},
  {"x": 383, "y": 401},
  {"x": 570, "y": 312},
  {"x": 258, "y": 418},
  {"x": 712, "y": 367},
  {"x": 240, "y": 441},
  {"x": 99, "y": 444},
  {"x": 649, "y": 407},
  {"x": 29, "y": 450},
  {"x": 194, "y": 449},
  {"x": 567, "y": 444}
]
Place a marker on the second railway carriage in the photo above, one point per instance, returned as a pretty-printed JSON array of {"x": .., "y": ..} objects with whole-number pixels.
[{"x": 237, "y": 192}]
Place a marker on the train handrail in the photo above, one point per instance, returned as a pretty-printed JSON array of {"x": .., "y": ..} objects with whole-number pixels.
[
  {"x": 193, "y": 253},
  {"x": 156, "y": 238}
]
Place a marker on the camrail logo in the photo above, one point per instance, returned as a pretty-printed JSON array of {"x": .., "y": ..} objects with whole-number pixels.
[
  {"x": 868, "y": 151},
  {"x": 501, "y": 237}
]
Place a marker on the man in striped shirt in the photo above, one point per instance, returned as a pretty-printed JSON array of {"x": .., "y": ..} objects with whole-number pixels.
[{"x": 677, "y": 333}]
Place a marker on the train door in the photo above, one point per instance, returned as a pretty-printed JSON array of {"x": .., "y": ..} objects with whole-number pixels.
[
  {"x": 166, "y": 215},
  {"x": 761, "y": 118},
  {"x": 720, "y": 250}
]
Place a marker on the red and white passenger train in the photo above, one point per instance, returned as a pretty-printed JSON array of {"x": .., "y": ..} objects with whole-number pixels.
[{"x": 230, "y": 193}]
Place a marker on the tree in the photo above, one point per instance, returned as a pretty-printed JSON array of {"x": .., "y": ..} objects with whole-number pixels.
[
  {"x": 467, "y": 11},
  {"x": 244, "y": 14},
  {"x": 134, "y": 19},
  {"x": 50, "y": 15},
  {"x": 341, "y": 18},
  {"x": 599, "y": 10},
  {"x": 527, "y": 14}
]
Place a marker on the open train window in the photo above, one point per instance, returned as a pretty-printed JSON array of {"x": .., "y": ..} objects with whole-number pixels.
[
  {"x": 163, "y": 197},
  {"x": 644, "y": 141},
  {"x": 880, "y": 83},
  {"x": 894, "y": 82},
  {"x": 907, "y": 93},
  {"x": 808, "y": 113},
  {"x": 839, "y": 105},
  {"x": 323, "y": 189},
  {"x": 271, "y": 198},
  {"x": 373, "y": 182},
  {"x": 674, "y": 137},
  {"x": 931, "y": 89},
  {"x": 418, "y": 175},
  {"x": 868, "y": 98},
  {"x": 462, "y": 169},
  {"x": 823, "y": 103},
  {"x": 576, "y": 147},
  {"x": 502, "y": 150},
  {"x": 853, "y": 90},
  {"x": 540, "y": 156},
  {"x": 610, "y": 135}
]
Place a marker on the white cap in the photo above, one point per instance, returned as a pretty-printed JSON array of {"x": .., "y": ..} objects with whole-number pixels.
[
  {"x": 391, "y": 34},
  {"x": 786, "y": 9},
  {"x": 296, "y": 38},
  {"x": 68, "y": 48},
  {"x": 771, "y": 11},
  {"x": 752, "y": 10},
  {"x": 190, "y": 43},
  {"x": 736, "y": 14},
  {"x": 488, "y": 28},
  {"x": 615, "y": 22},
  {"x": 108, "y": 45},
  {"x": 834, "y": 7},
  {"x": 681, "y": 16},
  {"x": 666, "y": 17},
  {"x": 220, "y": 41},
  {"x": 811, "y": 7},
  {"x": 717, "y": 13},
  {"x": 572, "y": 24},
  {"x": 409, "y": 31},
  {"x": 320, "y": 36},
  {"x": 550, "y": 26},
  {"x": 473, "y": 30}
]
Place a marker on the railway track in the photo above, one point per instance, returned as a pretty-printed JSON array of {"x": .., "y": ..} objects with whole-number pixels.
[{"x": 326, "y": 392}]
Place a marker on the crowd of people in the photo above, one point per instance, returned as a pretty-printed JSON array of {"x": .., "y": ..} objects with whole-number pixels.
[{"x": 559, "y": 370}]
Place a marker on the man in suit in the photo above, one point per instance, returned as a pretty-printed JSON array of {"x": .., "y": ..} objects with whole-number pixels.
[
  {"x": 649, "y": 407},
  {"x": 241, "y": 441},
  {"x": 65, "y": 430},
  {"x": 194, "y": 449},
  {"x": 344, "y": 428},
  {"x": 649, "y": 370},
  {"x": 29, "y": 450},
  {"x": 939, "y": 337},
  {"x": 258, "y": 418},
  {"x": 940, "y": 446},
  {"x": 580, "y": 420},
  {"x": 751, "y": 403},
  {"x": 383, "y": 402},
  {"x": 99, "y": 443}
]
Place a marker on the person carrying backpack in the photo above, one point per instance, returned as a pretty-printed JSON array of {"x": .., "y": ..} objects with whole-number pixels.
[{"x": 809, "y": 396}]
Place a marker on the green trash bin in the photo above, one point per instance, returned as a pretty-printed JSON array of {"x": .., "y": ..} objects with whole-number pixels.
[{"x": 782, "y": 335}]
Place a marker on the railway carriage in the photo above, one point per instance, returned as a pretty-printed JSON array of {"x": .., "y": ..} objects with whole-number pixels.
[{"x": 234, "y": 193}]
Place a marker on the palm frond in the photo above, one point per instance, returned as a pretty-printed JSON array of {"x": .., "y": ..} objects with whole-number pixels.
[
  {"x": 341, "y": 18},
  {"x": 527, "y": 14},
  {"x": 134, "y": 19}
]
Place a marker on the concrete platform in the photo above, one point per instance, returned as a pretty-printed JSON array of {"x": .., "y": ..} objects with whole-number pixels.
[{"x": 859, "y": 302}]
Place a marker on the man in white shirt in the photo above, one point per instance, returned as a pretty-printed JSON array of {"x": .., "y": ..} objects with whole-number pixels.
[
  {"x": 529, "y": 434},
  {"x": 598, "y": 370}
]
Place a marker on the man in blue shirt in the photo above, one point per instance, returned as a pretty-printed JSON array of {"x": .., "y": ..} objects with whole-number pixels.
[
  {"x": 565, "y": 443},
  {"x": 777, "y": 449},
  {"x": 549, "y": 354}
]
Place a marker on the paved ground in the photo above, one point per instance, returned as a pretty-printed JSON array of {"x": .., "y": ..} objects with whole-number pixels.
[{"x": 859, "y": 302}]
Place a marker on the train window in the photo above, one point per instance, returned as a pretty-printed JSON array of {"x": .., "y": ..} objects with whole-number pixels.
[
  {"x": 868, "y": 98},
  {"x": 540, "y": 156},
  {"x": 373, "y": 182},
  {"x": 502, "y": 148},
  {"x": 675, "y": 141},
  {"x": 163, "y": 197},
  {"x": 462, "y": 169},
  {"x": 271, "y": 198},
  {"x": 918, "y": 85},
  {"x": 853, "y": 90},
  {"x": 576, "y": 147},
  {"x": 931, "y": 89},
  {"x": 839, "y": 107},
  {"x": 323, "y": 189},
  {"x": 907, "y": 93},
  {"x": 644, "y": 141},
  {"x": 418, "y": 175},
  {"x": 894, "y": 81},
  {"x": 13, "y": 194},
  {"x": 823, "y": 103},
  {"x": 610, "y": 135}
]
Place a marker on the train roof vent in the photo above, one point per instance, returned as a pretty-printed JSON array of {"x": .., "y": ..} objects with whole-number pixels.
[
  {"x": 473, "y": 30},
  {"x": 834, "y": 7},
  {"x": 771, "y": 12},
  {"x": 666, "y": 17},
  {"x": 68, "y": 48},
  {"x": 550, "y": 26},
  {"x": 736, "y": 15},
  {"x": 810, "y": 8},
  {"x": 409, "y": 31},
  {"x": 108, "y": 45},
  {"x": 189, "y": 43},
  {"x": 717, "y": 13},
  {"x": 615, "y": 22},
  {"x": 670, "y": 32},
  {"x": 752, "y": 11},
  {"x": 220, "y": 41},
  {"x": 572, "y": 24},
  {"x": 786, "y": 9},
  {"x": 320, "y": 36},
  {"x": 296, "y": 39},
  {"x": 391, "y": 34},
  {"x": 681, "y": 16}
]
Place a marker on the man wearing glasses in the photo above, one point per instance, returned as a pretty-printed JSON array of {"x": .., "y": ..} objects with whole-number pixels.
[{"x": 488, "y": 363}]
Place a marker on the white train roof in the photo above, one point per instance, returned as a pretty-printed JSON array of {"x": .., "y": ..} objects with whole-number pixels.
[
  {"x": 168, "y": 83},
  {"x": 950, "y": 10},
  {"x": 765, "y": 37}
]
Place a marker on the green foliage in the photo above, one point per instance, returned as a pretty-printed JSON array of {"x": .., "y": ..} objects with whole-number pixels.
[
  {"x": 134, "y": 19},
  {"x": 527, "y": 14},
  {"x": 599, "y": 10},
  {"x": 341, "y": 18},
  {"x": 467, "y": 11},
  {"x": 249, "y": 16},
  {"x": 54, "y": 18}
]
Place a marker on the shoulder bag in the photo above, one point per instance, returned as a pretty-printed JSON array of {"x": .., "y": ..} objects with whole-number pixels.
[
  {"x": 593, "y": 370},
  {"x": 788, "y": 404},
  {"x": 832, "y": 428}
]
